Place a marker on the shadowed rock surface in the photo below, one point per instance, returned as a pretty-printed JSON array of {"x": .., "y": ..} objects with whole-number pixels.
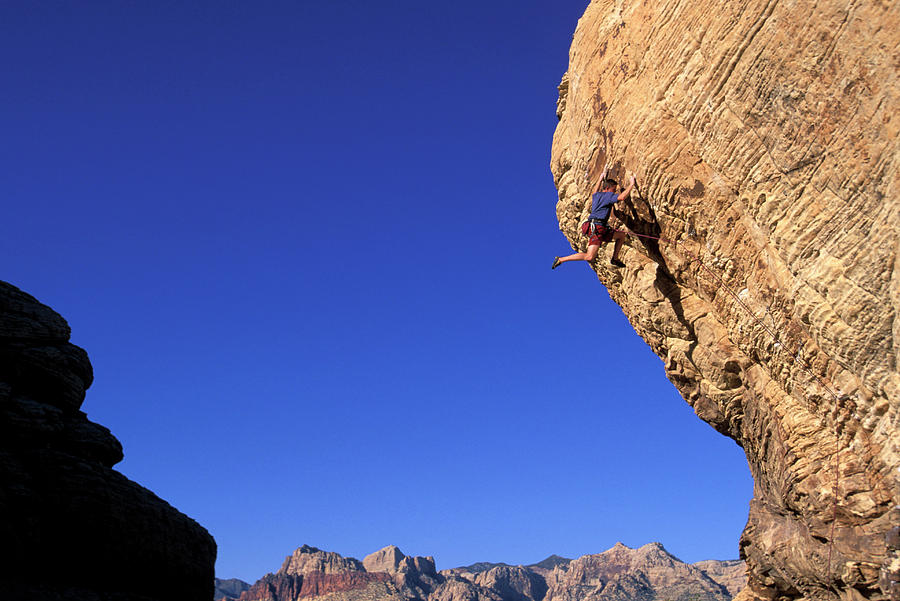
[
  {"x": 645, "y": 574},
  {"x": 72, "y": 527},
  {"x": 764, "y": 136}
]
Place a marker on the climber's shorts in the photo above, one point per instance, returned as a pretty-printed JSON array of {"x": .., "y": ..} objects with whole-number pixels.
[{"x": 600, "y": 235}]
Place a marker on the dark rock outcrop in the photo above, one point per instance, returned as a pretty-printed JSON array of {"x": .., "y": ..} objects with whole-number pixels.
[{"x": 110, "y": 538}]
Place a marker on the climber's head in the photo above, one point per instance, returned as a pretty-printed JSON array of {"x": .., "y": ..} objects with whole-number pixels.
[{"x": 609, "y": 184}]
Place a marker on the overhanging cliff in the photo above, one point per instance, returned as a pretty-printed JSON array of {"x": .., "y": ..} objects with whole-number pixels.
[{"x": 764, "y": 137}]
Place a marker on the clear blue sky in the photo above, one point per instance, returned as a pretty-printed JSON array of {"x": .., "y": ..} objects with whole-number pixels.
[{"x": 307, "y": 247}]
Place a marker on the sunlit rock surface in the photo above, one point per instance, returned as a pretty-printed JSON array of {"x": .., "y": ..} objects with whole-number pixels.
[
  {"x": 620, "y": 574},
  {"x": 649, "y": 573},
  {"x": 764, "y": 136},
  {"x": 730, "y": 574},
  {"x": 386, "y": 575}
]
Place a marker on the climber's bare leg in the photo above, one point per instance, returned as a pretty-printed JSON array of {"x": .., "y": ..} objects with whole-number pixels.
[
  {"x": 589, "y": 256},
  {"x": 619, "y": 237}
]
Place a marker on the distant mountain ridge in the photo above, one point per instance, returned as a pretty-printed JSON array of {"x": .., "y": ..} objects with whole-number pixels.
[
  {"x": 231, "y": 587},
  {"x": 551, "y": 562},
  {"x": 649, "y": 573},
  {"x": 483, "y": 566}
]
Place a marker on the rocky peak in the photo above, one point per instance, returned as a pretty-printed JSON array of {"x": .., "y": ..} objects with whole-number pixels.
[
  {"x": 654, "y": 554},
  {"x": 392, "y": 561},
  {"x": 308, "y": 560},
  {"x": 621, "y": 573},
  {"x": 311, "y": 572},
  {"x": 513, "y": 583},
  {"x": 549, "y": 563},
  {"x": 389, "y": 559}
]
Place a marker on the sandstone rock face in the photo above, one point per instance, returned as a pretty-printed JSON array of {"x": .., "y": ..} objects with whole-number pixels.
[
  {"x": 350, "y": 586},
  {"x": 513, "y": 583},
  {"x": 71, "y": 527},
  {"x": 460, "y": 589},
  {"x": 764, "y": 136},
  {"x": 386, "y": 560},
  {"x": 624, "y": 574},
  {"x": 730, "y": 574},
  {"x": 386, "y": 575},
  {"x": 407, "y": 570},
  {"x": 308, "y": 560}
]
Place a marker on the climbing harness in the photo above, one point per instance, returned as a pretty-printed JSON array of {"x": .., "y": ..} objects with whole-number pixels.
[{"x": 594, "y": 223}]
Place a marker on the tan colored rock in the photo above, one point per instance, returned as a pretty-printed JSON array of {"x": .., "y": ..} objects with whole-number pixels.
[
  {"x": 389, "y": 560},
  {"x": 649, "y": 573},
  {"x": 764, "y": 136},
  {"x": 620, "y": 574},
  {"x": 309, "y": 560},
  {"x": 513, "y": 583},
  {"x": 415, "y": 573},
  {"x": 313, "y": 573},
  {"x": 459, "y": 589},
  {"x": 730, "y": 574}
]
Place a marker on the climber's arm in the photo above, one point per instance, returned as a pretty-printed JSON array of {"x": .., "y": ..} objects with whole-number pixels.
[
  {"x": 600, "y": 179},
  {"x": 627, "y": 191}
]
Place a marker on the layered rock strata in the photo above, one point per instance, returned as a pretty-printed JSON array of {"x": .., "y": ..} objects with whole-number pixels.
[
  {"x": 620, "y": 574},
  {"x": 386, "y": 575},
  {"x": 649, "y": 573},
  {"x": 72, "y": 527},
  {"x": 730, "y": 574},
  {"x": 513, "y": 583},
  {"x": 764, "y": 137}
]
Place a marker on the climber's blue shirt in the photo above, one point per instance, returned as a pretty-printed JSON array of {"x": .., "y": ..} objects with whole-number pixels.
[{"x": 601, "y": 205}]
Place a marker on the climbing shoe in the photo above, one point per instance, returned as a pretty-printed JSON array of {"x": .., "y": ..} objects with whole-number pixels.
[
  {"x": 617, "y": 262},
  {"x": 556, "y": 263}
]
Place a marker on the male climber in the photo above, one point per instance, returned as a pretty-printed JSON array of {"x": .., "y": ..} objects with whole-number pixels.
[{"x": 597, "y": 226}]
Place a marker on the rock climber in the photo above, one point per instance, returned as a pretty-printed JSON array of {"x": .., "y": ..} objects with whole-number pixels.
[{"x": 597, "y": 226}]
